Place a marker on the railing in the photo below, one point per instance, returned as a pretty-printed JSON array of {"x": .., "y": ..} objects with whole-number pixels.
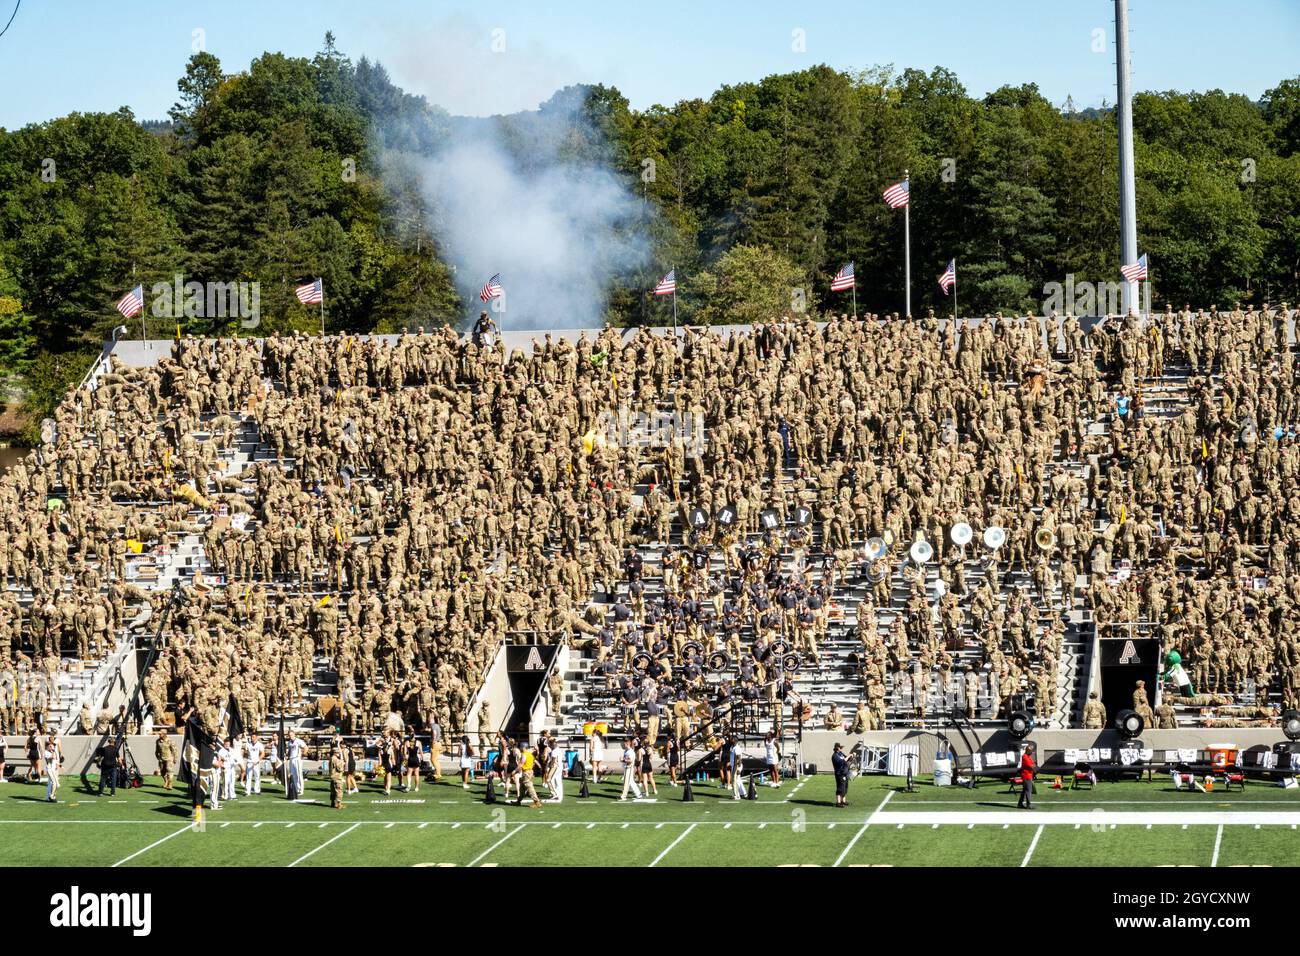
[
  {"x": 109, "y": 672},
  {"x": 96, "y": 370}
]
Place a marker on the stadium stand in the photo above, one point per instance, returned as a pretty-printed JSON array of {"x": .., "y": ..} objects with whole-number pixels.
[{"x": 719, "y": 527}]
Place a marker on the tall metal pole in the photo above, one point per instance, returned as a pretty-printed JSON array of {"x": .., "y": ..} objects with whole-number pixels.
[
  {"x": 1127, "y": 190},
  {"x": 907, "y": 248},
  {"x": 674, "y": 303}
]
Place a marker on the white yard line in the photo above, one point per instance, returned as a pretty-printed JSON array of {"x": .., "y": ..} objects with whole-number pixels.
[
  {"x": 1218, "y": 839},
  {"x": 152, "y": 845},
  {"x": 796, "y": 789},
  {"x": 1089, "y": 817},
  {"x": 495, "y": 845},
  {"x": 840, "y": 859},
  {"x": 680, "y": 837},
  {"x": 1073, "y": 801},
  {"x": 1032, "y": 843},
  {"x": 338, "y": 836}
]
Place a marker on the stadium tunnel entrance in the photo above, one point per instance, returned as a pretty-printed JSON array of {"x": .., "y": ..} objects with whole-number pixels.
[{"x": 1124, "y": 662}]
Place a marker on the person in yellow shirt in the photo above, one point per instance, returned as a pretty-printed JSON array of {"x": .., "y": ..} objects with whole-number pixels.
[{"x": 527, "y": 760}]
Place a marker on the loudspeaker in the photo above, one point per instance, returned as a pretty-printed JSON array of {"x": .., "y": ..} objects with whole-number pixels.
[
  {"x": 1129, "y": 723},
  {"x": 491, "y": 795},
  {"x": 687, "y": 795},
  {"x": 1291, "y": 724},
  {"x": 1019, "y": 725}
]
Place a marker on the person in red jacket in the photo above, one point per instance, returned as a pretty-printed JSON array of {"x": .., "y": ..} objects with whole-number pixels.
[{"x": 1026, "y": 771}]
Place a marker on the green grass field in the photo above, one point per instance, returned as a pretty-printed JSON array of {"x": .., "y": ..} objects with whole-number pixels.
[{"x": 1145, "y": 824}]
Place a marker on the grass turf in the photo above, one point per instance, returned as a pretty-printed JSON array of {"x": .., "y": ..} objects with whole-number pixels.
[{"x": 443, "y": 825}]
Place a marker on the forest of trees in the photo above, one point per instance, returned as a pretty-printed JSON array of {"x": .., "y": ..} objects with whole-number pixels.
[{"x": 277, "y": 174}]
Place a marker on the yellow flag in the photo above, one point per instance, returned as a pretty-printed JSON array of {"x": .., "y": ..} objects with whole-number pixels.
[
  {"x": 1205, "y": 450},
  {"x": 901, "y": 432},
  {"x": 1123, "y": 513},
  {"x": 323, "y": 601},
  {"x": 337, "y": 537},
  {"x": 614, "y": 378},
  {"x": 1019, "y": 477}
]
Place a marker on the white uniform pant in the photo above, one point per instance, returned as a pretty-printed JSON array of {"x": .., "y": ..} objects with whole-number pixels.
[
  {"x": 228, "y": 781},
  {"x": 555, "y": 784},
  {"x": 253, "y": 777},
  {"x": 295, "y": 770},
  {"x": 629, "y": 780}
]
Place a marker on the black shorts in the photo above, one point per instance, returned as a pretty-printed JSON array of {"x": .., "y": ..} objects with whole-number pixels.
[{"x": 841, "y": 786}]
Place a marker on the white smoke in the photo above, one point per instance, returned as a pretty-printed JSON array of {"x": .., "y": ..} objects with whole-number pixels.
[
  {"x": 557, "y": 232},
  {"x": 530, "y": 195}
]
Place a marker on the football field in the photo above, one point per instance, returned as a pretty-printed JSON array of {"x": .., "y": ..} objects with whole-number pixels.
[{"x": 1116, "y": 824}]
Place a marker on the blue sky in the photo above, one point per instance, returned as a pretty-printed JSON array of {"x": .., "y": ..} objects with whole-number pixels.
[{"x": 89, "y": 55}]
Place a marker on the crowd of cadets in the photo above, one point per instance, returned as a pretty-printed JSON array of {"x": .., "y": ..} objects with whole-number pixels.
[{"x": 431, "y": 498}]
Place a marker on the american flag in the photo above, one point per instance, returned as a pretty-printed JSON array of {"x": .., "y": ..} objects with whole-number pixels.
[
  {"x": 667, "y": 284},
  {"x": 132, "y": 303},
  {"x": 1136, "y": 272},
  {"x": 492, "y": 289},
  {"x": 949, "y": 277},
  {"x": 313, "y": 293},
  {"x": 843, "y": 279},
  {"x": 897, "y": 194}
]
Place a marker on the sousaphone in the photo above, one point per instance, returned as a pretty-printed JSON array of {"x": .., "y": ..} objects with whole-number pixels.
[
  {"x": 994, "y": 537},
  {"x": 961, "y": 534},
  {"x": 921, "y": 551},
  {"x": 1045, "y": 540}
]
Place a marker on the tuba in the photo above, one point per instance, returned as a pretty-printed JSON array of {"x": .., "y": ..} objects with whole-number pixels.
[
  {"x": 961, "y": 534},
  {"x": 876, "y": 548},
  {"x": 921, "y": 551},
  {"x": 994, "y": 537},
  {"x": 1045, "y": 540}
]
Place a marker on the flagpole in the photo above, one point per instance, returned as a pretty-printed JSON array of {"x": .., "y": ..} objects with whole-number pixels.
[
  {"x": 855, "y": 293},
  {"x": 954, "y": 297},
  {"x": 322, "y": 309},
  {"x": 907, "y": 248},
  {"x": 674, "y": 302}
]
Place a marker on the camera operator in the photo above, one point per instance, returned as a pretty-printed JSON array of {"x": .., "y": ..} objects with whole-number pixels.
[{"x": 108, "y": 761}]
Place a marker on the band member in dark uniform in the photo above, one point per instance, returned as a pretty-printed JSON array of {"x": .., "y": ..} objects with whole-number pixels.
[{"x": 840, "y": 762}]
